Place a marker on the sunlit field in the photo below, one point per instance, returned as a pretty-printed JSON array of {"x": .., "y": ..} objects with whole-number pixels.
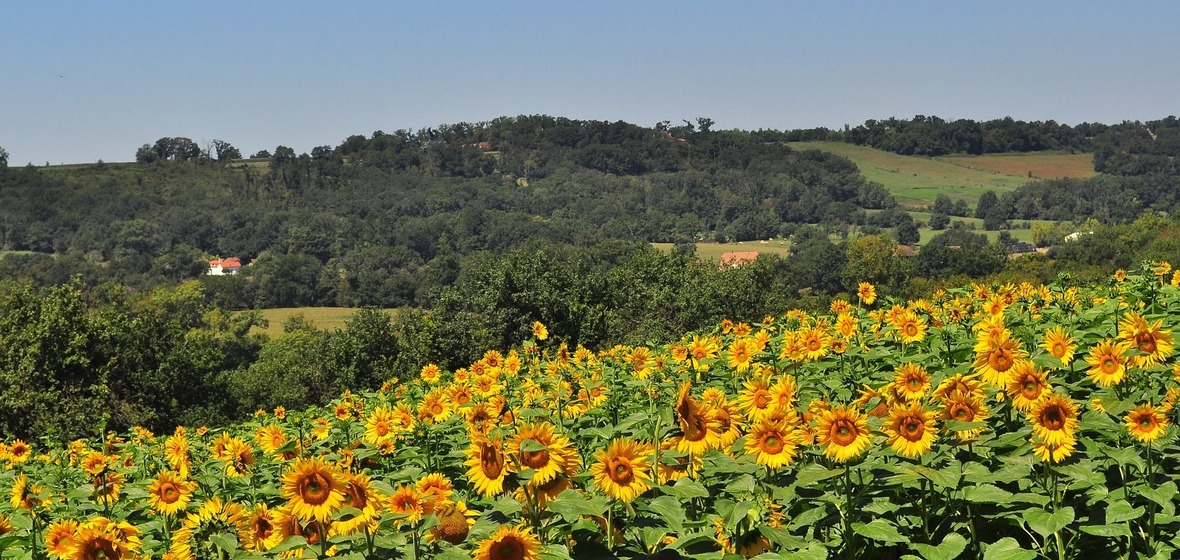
[{"x": 990, "y": 421}]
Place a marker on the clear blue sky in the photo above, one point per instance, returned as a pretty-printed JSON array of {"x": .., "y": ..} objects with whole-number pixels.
[{"x": 84, "y": 81}]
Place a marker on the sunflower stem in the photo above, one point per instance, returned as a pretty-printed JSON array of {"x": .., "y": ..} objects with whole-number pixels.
[
  {"x": 1150, "y": 505},
  {"x": 849, "y": 538},
  {"x": 319, "y": 527}
]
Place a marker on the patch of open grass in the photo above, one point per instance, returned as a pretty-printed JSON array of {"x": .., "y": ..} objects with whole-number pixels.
[{"x": 323, "y": 318}]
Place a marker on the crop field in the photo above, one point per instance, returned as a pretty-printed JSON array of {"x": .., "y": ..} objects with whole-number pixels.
[
  {"x": 323, "y": 318},
  {"x": 713, "y": 251},
  {"x": 916, "y": 181},
  {"x": 985, "y": 422},
  {"x": 1035, "y": 165}
]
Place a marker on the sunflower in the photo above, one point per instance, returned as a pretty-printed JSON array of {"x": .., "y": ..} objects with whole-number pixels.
[
  {"x": 1027, "y": 385},
  {"x": 270, "y": 438},
  {"x": 755, "y": 399},
  {"x": 487, "y": 465},
  {"x": 995, "y": 353},
  {"x": 815, "y": 341},
  {"x": 539, "y": 447},
  {"x": 910, "y": 430},
  {"x": 435, "y": 407},
  {"x": 360, "y": 495},
  {"x": 729, "y": 421},
  {"x": 102, "y": 538},
  {"x": 1147, "y": 423},
  {"x": 313, "y": 489},
  {"x": 169, "y": 493},
  {"x": 774, "y": 443},
  {"x": 967, "y": 408},
  {"x": 107, "y": 486},
  {"x": 1055, "y": 419},
  {"x": 93, "y": 463},
  {"x": 869, "y": 395},
  {"x": 910, "y": 327},
  {"x": 176, "y": 449},
  {"x": 430, "y": 373},
  {"x": 289, "y": 525},
  {"x": 19, "y": 452},
  {"x": 911, "y": 381},
  {"x": 59, "y": 537},
  {"x": 6, "y": 527},
  {"x": 700, "y": 430},
  {"x": 867, "y": 293},
  {"x": 622, "y": 469},
  {"x": 1153, "y": 343},
  {"x": 701, "y": 349},
  {"x": 843, "y": 433},
  {"x": 454, "y": 523},
  {"x": 380, "y": 426},
  {"x": 783, "y": 394},
  {"x": 1108, "y": 365},
  {"x": 258, "y": 530},
  {"x": 847, "y": 325},
  {"x": 509, "y": 543},
  {"x": 740, "y": 354},
  {"x": 1059, "y": 344}
]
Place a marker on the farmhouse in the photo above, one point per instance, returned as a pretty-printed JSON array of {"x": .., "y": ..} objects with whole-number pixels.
[{"x": 222, "y": 267}]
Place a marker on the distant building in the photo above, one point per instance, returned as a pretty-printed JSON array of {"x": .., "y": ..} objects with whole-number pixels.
[
  {"x": 738, "y": 258},
  {"x": 223, "y": 267},
  {"x": 1020, "y": 247}
]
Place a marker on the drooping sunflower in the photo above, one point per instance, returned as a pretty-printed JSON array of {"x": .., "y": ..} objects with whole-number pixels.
[
  {"x": 540, "y": 332},
  {"x": 214, "y": 517},
  {"x": 541, "y": 448},
  {"x": 487, "y": 465},
  {"x": 454, "y": 523},
  {"x": 843, "y": 433},
  {"x": 912, "y": 382},
  {"x": 509, "y": 543},
  {"x": 406, "y": 501},
  {"x": 1146, "y": 423},
  {"x": 360, "y": 494},
  {"x": 24, "y": 495},
  {"x": 1054, "y": 419},
  {"x": 910, "y": 429},
  {"x": 867, "y": 293},
  {"x": 1152, "y": 342},
  {"x": 258, "y": 530},
  {"x": 1108, "y": 365},
  {"x": 1059, "y": 344},
  {"x": 1054, "y": 453},
  {"x": 996, "y": 351},
  {"x": 774, "y": 443},
  {"x": 957, "y": 384},
  {"x": 314, "y": 489},
  {"x": 622, "y": 470},
  {"x": 700, "y": 430},
  {"x": 106, "y": 539},
  {"x": 434, "y": 488},
  {"x": 1027, "y": 385},
  {"x": 169, "y": 493}
]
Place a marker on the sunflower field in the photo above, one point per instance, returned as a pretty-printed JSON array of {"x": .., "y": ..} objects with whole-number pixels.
[{"x": 988, "y": 421}]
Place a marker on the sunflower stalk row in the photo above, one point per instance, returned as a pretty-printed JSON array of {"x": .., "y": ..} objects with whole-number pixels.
[{"x": 988, "y": 421}]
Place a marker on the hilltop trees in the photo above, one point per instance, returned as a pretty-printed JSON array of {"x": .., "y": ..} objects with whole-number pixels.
[{"x": 3, "y": 157}]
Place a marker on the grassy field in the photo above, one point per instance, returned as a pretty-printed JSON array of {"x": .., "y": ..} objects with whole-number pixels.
[
  {"x": 915, "y": 181},
  {"x": 1036, "y": 165},
  {"x": 324, "y": 318},
  {"x": 713, "y": 251}
]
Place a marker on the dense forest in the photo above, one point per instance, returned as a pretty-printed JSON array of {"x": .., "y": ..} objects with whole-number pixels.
[{"x": 474, "y": 232}]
